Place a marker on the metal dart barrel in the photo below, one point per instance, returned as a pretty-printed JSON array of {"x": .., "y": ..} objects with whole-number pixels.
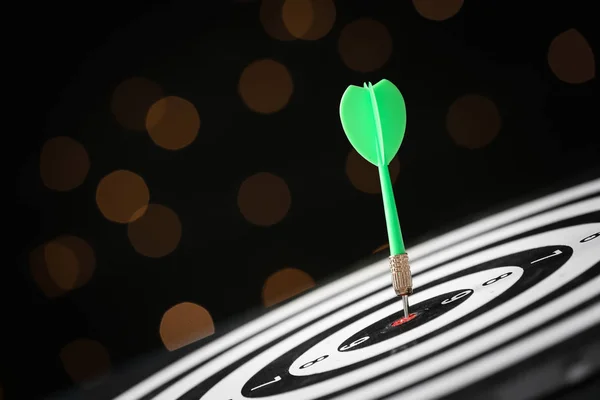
[{"x": 401, "y": 278}]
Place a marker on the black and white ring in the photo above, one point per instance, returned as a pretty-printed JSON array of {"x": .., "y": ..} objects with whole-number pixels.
[{"x": 246, "y": 351}]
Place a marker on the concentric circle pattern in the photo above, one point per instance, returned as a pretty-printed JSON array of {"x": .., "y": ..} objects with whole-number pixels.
[{"x": 486, "y": 297}]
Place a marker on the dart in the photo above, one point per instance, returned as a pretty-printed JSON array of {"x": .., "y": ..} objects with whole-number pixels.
[{"x": 374, "y": 120}]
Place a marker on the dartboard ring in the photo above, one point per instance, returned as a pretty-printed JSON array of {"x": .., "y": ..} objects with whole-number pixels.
[{"x": 504, "y": 282}]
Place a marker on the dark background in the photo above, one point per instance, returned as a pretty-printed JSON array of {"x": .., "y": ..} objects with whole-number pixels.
[{"x": 73, "y": 56}]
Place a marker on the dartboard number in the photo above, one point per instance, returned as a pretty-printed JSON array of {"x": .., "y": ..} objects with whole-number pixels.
[
  {"x": 313, "y": 362},
  {"x": 457, "y": 296},
  {"x": 276, "y": 379},
  {"x": 554, "y": 253},
  {"x": 355, "y": 343},
  {"x": 496, "y": 279},
  {"x": 591, "y": 237}
]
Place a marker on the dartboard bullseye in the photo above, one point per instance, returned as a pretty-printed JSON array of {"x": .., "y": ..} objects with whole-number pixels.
[{"x": 486, "y": 297}]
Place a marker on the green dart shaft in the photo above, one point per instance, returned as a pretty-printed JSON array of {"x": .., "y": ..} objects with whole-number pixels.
[
  {"x": 387, "y": 191},
  {"x": 391, "y": 214}
]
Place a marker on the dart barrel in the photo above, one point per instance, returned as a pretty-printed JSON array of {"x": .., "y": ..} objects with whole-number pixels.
[{"x": 401, "y": 276}]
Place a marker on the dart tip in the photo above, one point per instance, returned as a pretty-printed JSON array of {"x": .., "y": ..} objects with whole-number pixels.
[{"x": 405, "y": 303}]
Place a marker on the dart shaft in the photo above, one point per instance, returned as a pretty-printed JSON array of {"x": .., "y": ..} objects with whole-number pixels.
[
  {"x": 399, "y": 267},
  {"x": 391, "y": 214}
]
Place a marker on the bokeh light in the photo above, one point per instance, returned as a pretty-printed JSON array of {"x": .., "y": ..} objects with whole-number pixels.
[
  {"x": 571, "y": 58},
  {"x": 121, "y": 195},
  {"x": 365, "y": 176},
  {"x": 41, "y": 275},
  {"x": 297, "y": 16},
  {"x": 438, "y": 10},
  {"x": 285, "y": 284},
  {"x": 297, "y": 19},
  {"x": 183, "y": 324},
  {"x": 85, "y": 359},
  {"x": 64, "y": 163},
  {"x": 266, "y": 86},
  {"x": 473, "y": 121},
  {"x": 70, "y": 261},
  {"x": 156, "y": 233},
  {"x": 271, "y": 18},
  {"x": 264, "y": 199},
  {"x": 84, "y": 254},
  {"x": 365, "y": 45},
  {"x": 64, "y": 263},
  {"x": 381, "y": 248},
  {"x": 173, "y": 122},
  {"x": 324, "y": 14},
  {"x": 131, "y": 101}
]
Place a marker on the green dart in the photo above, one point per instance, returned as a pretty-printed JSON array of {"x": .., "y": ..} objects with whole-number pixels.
[{"x": 374, "y": 120}]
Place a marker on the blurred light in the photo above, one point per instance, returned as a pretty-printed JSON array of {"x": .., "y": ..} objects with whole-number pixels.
[
  {"x": 183, "y": 324},
  {"x": 40, "y": 273},
  {"x": 297, "y": 16},
  {"x": 365, "y": 176},
  {"x": 264, "y": 199},
  {"x": 62, "y": 265},
  {"x": 284, "y": 284},
  {"x": 131, "y": 101},
  {"x": 156, "y": 233},
  {"x": 365, "y": 45},
  {"x": 473, "y": 121},
  {"x": 381, "y": 248},
  {"x": 297, "y": 19},
  {"x": 324, "y": 14},
  {"x": 64, "y": 163},
  {"x": 271, "y": 18},
  {"x": 438, "y": 10},
  {"x": 65, "y": 263},
  {"x": 80, "y": 252},
  {"x": 571, "y": 58},
  {"x": 266, "y": 86},
  {"x": 85, "y": 359},
  {"x": 121, "y": 195},
  {"x": 173, "y": 122}
]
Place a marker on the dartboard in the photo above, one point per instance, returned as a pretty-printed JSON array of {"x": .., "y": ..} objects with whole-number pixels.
[{"x": 513, "y": 297}]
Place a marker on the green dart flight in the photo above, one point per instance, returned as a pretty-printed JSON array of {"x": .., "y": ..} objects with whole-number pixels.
[{"x": 374, "y": 120}]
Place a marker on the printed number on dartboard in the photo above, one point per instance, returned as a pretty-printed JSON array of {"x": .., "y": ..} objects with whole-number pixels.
[
  {"x": 591, "y": 237},
  {"x": 355, "y": 343},
  {"x": 457, "y": 296},
  {"x": 313, "y": 362},
  {"x": 496, "y": 279}
]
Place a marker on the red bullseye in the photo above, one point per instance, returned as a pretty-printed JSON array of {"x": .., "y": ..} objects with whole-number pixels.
[{"x": 404, "y": 320}]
